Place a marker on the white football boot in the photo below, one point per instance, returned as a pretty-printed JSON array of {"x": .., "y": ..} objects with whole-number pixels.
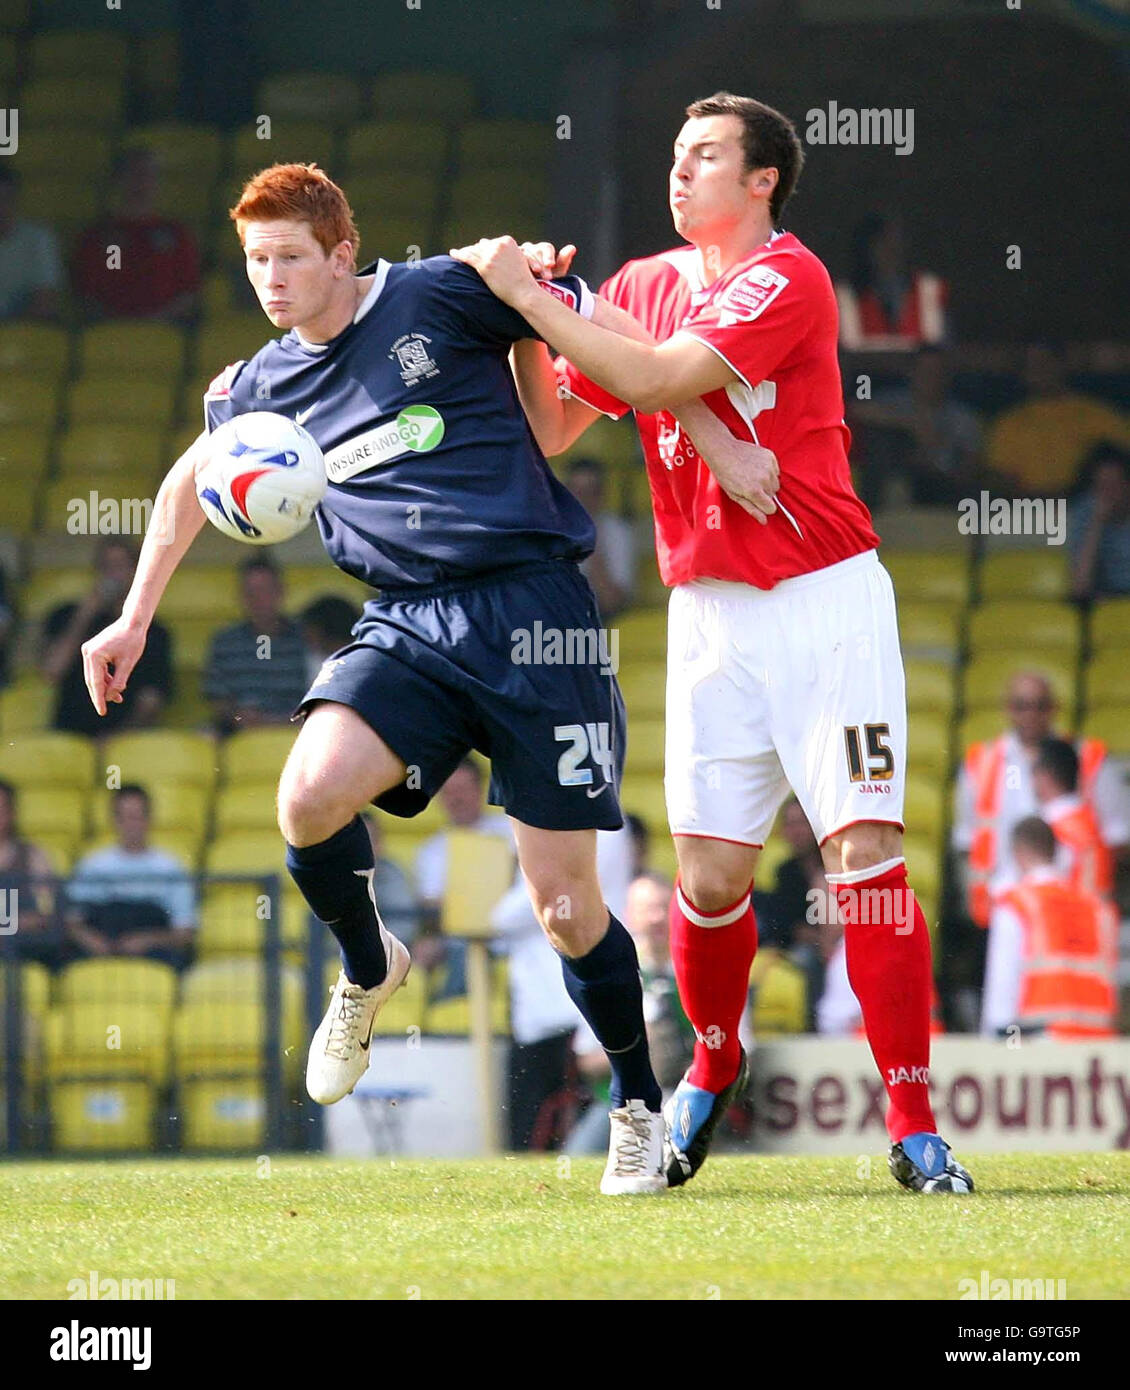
[
  {"x": 635, "y": 1152},
  {"x": 339, "y": 1050}
]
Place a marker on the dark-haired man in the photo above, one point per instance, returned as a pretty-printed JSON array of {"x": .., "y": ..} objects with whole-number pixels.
[{"x": 783, "y": 650}]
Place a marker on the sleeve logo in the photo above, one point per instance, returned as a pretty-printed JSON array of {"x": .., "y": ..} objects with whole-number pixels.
[
  {"x": 559, "y": 291},
  {"x": 220, "y": 386},
  {"x": 750, "y": 294}
]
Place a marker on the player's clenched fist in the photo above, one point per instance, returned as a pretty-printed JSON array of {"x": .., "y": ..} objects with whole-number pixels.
[
  {"x": 747, "y": 474},
  {"x": 502, "y": 264},
  {"x": 118, "y": 646}
]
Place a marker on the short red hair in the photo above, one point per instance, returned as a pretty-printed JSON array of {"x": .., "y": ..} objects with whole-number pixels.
[{"x": 301, "y": 193}]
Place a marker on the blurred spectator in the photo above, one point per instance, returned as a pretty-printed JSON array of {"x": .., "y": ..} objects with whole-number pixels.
[
  {"x": 994, "y": 791},
  {"x": 1084, "y": 859},
  {"x": 799, "y": 878},
  {"x": 921, "y": 433},
  {"x": 70, "y": 625},
  {"x": 1041, "y": 443},
  {"x": 131, "y": 899},
  {"x": 886, "y": 304},
  {"x": 1098, "y": 525},
  {"x": 256, "y": 671},
  {"x": 543, "y": 1017},
  {"x": 135, "y": 262},
  {"x": 327, "y": 626},
  {"x": 641, "y": 843},
  {"x": 837, "y": 1011},
  {"x": 611, "y": 568},
  {"x": 396, "y": 898},
  {"x": 27, "y": 896},
  {"x": 31, "y": 270},
  {"x": 7, "y": 629},
  {"x": 1052, "y": 949},
  {"x": 669, "y": 1033}
]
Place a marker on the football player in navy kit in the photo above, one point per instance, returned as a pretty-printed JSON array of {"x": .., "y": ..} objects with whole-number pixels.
[{"x": 440, "y": 500}]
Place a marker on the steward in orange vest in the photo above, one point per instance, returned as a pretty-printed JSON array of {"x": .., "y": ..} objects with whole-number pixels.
[{"x": 1055, "y": 780}]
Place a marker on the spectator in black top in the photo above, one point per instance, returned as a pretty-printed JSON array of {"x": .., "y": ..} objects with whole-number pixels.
[
  {"x": 1098, "y": 525},
  {"x": 801, "y": 900},
  {"x": 70, "y": 625},
  {"x": 256, "y": 670},
  {"x": 327, "y": 626},
  {"x": 27, "y": 890}
]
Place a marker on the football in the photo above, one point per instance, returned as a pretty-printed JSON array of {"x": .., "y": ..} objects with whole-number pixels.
[{"x": 262, "y": 479}]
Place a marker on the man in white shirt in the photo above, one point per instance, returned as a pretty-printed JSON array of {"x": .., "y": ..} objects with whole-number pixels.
[{"x": 131, "y": 899}]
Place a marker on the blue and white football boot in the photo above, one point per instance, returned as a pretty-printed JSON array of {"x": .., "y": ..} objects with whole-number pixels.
[
  {"x": 925, "y": 1163},
  {"x": 692, "y": 1116}
]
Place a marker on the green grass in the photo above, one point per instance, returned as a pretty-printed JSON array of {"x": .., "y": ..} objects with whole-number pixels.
[{"x": 753, "y": 1227}]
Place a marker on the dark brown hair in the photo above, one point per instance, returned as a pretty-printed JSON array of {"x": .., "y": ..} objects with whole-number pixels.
[{"x": 769, "y": 141}]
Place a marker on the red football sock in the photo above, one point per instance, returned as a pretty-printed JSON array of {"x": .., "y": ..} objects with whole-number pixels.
[
  {"x": 712, "y": 953},
  {"x": 887, "y": 944}
]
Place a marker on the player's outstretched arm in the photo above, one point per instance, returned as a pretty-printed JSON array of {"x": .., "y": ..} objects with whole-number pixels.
[{"x": 174, "y": 525}]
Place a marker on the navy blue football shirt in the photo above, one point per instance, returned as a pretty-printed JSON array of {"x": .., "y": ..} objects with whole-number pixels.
[{"x": 434, "y": 473}]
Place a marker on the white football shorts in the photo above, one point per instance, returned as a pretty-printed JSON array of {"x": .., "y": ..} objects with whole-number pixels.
[{"x": 798, "y": 686}]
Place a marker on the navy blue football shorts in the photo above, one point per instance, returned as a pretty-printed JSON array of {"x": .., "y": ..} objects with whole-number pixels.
[{"x": 513, "y": 664}]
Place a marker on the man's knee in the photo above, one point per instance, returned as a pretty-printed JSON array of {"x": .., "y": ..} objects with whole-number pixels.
[
  {"x": 714, "y": 874},
  {"x": 306, "y": 815},
  {"x": 862, "y": 846}
]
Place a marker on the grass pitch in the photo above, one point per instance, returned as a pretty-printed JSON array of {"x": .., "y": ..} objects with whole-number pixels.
[{"x": 757, "y": 1227}]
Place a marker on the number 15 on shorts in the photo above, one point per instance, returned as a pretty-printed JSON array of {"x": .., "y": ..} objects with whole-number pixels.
[
  {"x": 880, "y": 766},
  {"x": 584, "y": 740}
]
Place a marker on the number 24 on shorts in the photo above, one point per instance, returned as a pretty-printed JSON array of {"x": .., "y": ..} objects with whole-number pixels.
[{"x": 583, "y": 740}]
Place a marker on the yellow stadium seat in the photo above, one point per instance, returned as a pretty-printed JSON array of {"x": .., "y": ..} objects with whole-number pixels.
[
  {"x": 1110, "y": 624},
  {"x": 28, "y": 400},
  {"x": 229, "y": 921},
  {"x": 1038, "y": 574},
  {"x": 35, "y": 989},
  {"x": 643, "y": 636},
  {"x": 402, "y": 848},
  {"x": 52, "y": 587},
  {"x": 371, "y": 197},
  {"x": 102, "y": 1039},
  {"x": 311, "y": 96},
  {"x": 61, "y": 850},
  {"x": 779, "y": 1004},
  {"x": 202, "y": 591},
  {"x": 26, "y": 452},
  {"x": 256, "y": 756},
  {"x": 772, "y": 856},
  {"x": 429, "y": 93},
  {"x": 988, "y": 674},
  {"x": 225, "y": 1037},
  {"x": 495, "y": 197},
  {"x": 110, "y": 504},
  {"x": 116, "y": 449},
  {"x": 454, "y": 1015},
  {"x": 44, "y": 156},
  {"x": 644, "y": 689},
  {"x": 76, "y": 52},
  {"x": 21, "y": 509},
  {"x": 25, "y": 707},
  {"x": 233, "y": 339},
  {"x": 245, "y": 806},
  {"x": 53, "y": 810},
  {"x": 929, "y": 630},
  {"x": 188, "y": 709},
  {"x": 182, "y": 148},
  {"x": 1028, "y": 624},
  {"x": 99, "y": 400},
  {"x": 136, "y": 350},
  {"x": 247, "y": 852},
  {"x": 930, "y": 685},
  {"x": 1108, "y": 679},
  {"x": 1112, "y": 725},
  {"x": 192, "y": 639},
  {"x": 396, "y": 144},
  {"x": 48, "y": 760},
  {"x": 223, "y": 1115},
  {"x": 505, "y": 144},
  {"x": 923, "y": 854},
  {"x": 257, "y": 145},
  {"x": 645, "y": 746},
  {"x": 929, "y": 744},
  {"x": 919, "y": 575},
  {"x": 108, "y": 1116},
  {"x": 117, "y": 979},
  {"x": 162, "y": 755},
  {"x": 643, "y": 796},
  {"x": 480, "y": 870},
  {"x": 86, "y": 102},
  {"x": 240, "y": 979},
  {"x": 33, "y": 347},
  {"x": 924, "y": 807}
]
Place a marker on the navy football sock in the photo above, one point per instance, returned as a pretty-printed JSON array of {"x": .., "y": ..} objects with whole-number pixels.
[
  {"x": 605, "y": 986},
  {"x": 334, "y": 878}
]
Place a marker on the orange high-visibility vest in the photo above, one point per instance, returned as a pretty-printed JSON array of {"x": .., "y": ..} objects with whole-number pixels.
[
  {"x": 865, "y": 325},
  {"x": 1092, "y": 867},
  {"x": 984, "y": 766},
  {"x": 1070, "y": 951}
]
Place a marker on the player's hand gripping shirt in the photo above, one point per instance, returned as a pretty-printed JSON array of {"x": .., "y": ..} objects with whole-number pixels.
[
  {"x": 772, "y": 318},
  {"x": 434, "y": 474}
]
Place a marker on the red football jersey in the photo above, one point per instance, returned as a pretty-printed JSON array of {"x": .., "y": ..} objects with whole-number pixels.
[{"x": 773, "y": 319}]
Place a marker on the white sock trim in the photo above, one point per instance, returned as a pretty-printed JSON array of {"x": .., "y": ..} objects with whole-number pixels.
[
  {"x": 862, "y": 875},
  {"x": 693, "y": 915}
]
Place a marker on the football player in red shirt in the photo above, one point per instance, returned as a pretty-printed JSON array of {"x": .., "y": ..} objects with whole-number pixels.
[{"x": 784, "y": 667}]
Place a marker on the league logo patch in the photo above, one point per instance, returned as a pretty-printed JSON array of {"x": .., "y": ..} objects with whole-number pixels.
[
  {"x": 561, "y": 292},
  {"x": 416, "y": 362},
  {"x": 750, "y": 295}
]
